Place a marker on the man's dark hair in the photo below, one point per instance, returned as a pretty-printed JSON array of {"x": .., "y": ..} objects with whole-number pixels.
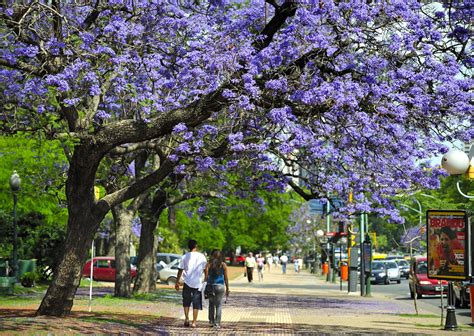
[
  {"x": 448, "y": 232},
  {"x": 192, "y": 244}
]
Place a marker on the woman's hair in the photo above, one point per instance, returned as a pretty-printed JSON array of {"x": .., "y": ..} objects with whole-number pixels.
[
  {"x": 215, "y": 262},
  {"x": 448, "y": 232}
]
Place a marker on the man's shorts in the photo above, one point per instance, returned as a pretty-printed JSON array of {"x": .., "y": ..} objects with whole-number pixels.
[{"x": 192, "y": 295}]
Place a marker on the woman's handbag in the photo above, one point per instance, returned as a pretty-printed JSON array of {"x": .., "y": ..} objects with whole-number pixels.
[{"x": 208, "y": 291}]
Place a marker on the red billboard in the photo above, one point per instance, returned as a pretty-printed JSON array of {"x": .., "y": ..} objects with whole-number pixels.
[{"x": 447, "y": 244}]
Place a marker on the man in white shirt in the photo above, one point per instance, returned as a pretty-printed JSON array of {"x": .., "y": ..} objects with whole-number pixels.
[
  {"x": 249, "y": 266},
  {"x": 192, "y": 266}
]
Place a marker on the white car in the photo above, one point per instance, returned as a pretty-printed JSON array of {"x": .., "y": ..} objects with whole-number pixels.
[
  {"x": 169, "y": 273},
  {"x": 393, "y": 272}
]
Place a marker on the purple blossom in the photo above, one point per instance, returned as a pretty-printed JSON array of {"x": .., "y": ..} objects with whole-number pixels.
[
  {"x": 232, "y": 163},
  {"x": 180, "y": 169},
  {"x": 204, "y": 164},
  {"x": 179, "y": 128},
  {"x": 173, "y": 157},
  {"x": 235, "y": 138},
  {"x": 131, "y": 169},
  {"x": 136, "y": 227},
  {"x": 183, "y": 148}
]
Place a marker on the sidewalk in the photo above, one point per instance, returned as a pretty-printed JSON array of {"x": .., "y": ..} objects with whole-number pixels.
[{"x": 306, "y": 304}]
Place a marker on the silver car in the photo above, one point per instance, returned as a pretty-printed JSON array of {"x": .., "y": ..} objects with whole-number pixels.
[
  {"x": 404, "y": 267},
  {"x": 393, "y": 272}
]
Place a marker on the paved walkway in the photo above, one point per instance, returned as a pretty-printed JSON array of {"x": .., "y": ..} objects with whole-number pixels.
[{"x": 297, "y": 304}]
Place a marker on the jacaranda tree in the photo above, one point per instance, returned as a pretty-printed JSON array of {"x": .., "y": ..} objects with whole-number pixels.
[{"x": 353, "y": 92}]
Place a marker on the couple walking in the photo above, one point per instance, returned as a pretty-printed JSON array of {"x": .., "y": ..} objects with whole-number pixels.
[{"x": 191, "y": 267}]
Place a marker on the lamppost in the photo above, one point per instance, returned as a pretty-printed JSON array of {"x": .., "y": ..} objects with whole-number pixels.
[
  {"x": 456, "y": 162},
  {"x": 15, "y": 187},
  {"x": 312, "y": 239}
]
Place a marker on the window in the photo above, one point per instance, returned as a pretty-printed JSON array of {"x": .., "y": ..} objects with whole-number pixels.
[
  {"x": 422, "y": 268},
  {"x": 391, "y": 265},
  {"x": 161, "y": 258},
  {"x": 173, "y": 258},
  {"x": 102, "y": 263},
  {"x": 377, "y": 266}
]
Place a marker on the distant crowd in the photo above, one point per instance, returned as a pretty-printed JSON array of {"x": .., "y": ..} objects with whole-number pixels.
[{"x": 265, "y": 262}]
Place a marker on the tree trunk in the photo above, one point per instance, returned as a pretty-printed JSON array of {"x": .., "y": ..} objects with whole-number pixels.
[
  {"x": 123, "y": 228},
  {"x": 150, "y": 212},
  {"x": 83, "y": 221},
  {"x": 58, "y": 300}
]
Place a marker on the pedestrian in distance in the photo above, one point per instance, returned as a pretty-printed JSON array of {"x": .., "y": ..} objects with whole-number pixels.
[
  {"x": 300, "y": 264},
  {"x": 295, "y": 263},
  {"x": 269, "y": 262},
  {"x": 250, "y": 263},
  {"x": 216, "y": 277},
  {"x": 191, "y": 267},
  {"x": 276, "y": 260},
  {"x": 283, "y": 261},
  {"x": 260, "y": 266}
]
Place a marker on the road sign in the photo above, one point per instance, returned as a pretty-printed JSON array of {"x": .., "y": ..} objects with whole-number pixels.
[{"x": 316, "y": 207}]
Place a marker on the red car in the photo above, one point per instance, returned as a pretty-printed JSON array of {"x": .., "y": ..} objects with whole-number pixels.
[
  {"x": 419, "y": 282},
  {"x": 104, "y": 269},
  {"x": 238, "y": 260}
]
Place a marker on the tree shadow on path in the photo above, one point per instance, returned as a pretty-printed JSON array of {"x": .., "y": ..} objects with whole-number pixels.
[{"x": 23, "y": 321}]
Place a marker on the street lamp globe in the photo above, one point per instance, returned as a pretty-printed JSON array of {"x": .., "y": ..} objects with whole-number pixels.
[
  {"x": 319, "y": 233},
  {"x": 15, "y": 182},
  {"x": 455, "y": 162}
]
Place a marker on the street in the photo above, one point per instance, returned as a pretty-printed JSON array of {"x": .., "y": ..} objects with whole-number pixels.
[{"x": 429, "y": 303}]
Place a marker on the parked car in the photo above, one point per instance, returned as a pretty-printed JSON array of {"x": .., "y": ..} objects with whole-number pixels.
[
  {"x": 420, "y": 284},
  {"x": 169, "y": 273},
  {"x": 394, "y": 257},
  {"x": 163, "y": 259},
  {"x": 104, "y": 269},
  {"x": 404, "y": 267},
  {"x": 238, "y": 260},
  {"x": 384, "y": 272},
  {"x": 462, "y": 291}
]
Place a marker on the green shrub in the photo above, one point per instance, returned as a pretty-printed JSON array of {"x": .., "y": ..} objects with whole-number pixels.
[{"x": 29, "y": 279}]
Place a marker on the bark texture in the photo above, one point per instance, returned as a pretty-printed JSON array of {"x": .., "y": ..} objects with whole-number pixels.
[
  {"x": 150, "y": 212},
  {"x": 82, "y": 224},
  {"x": 123, "y": 228}
]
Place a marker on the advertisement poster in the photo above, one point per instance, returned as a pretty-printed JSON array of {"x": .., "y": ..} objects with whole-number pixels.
[
  {"x": 446, "y": 240},
  {"x": 367, "y": 256}
]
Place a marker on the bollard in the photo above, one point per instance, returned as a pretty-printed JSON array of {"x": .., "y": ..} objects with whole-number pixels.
[
  {"x": 451, "y": 323},
  {"x": 325, "y": 268},
  {"x": 344, "y": 272}
]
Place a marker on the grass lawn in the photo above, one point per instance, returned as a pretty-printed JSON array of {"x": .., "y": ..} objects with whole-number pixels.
[{"x": 108, "y": 314}]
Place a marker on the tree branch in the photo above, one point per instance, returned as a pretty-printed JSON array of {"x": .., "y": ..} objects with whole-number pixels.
[{"x": 135, "y": 189}]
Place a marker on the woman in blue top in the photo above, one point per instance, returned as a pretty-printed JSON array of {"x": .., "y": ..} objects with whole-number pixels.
[{"x": 216, "y": 276}]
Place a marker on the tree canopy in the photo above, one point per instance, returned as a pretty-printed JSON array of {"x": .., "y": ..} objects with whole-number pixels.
[{"x": 349, "y": 95}]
